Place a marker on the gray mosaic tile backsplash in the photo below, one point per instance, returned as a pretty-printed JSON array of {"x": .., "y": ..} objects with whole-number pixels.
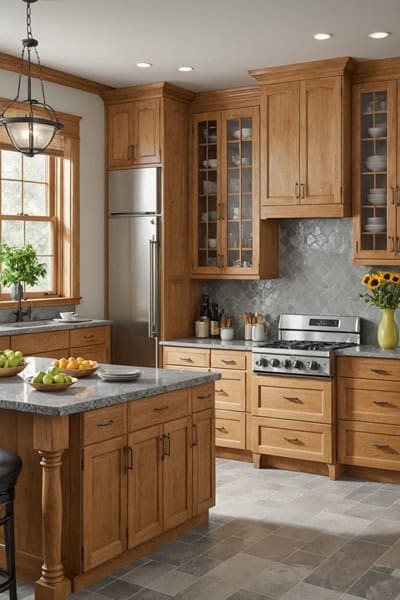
[
  {"x": 38, "y": 314},
  {"x": 316, "y": 276}
]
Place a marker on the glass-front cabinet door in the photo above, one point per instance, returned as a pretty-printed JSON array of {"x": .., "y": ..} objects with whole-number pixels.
[
  {"x": 226, "y": 213},
  {"x": 374, "y": 177}
]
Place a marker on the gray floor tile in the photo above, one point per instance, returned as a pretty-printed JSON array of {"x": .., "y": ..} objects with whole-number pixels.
[
  {"x": 227, "y": 548},
  {"x": 245, "y": 595},
  {"x": 147, "y": 573},
  {"x": 298, "y": 532},
  {"x": 392, "y": 513},
  {"x": 391, "y": 558},
  {"x": 274, "y": 547},
  {"x": 119, "y": 590},
  {"x": 366, "y": 511},
  {"x": 325, "y": 544},
  {"x": 175, "y": 553},
  {"x": 381, "y": 532},
  {"x": 305, "y": 591},
  {"x": 300, "y": 558},
  {"x": 200, "y": 565},
  {"x": 346, "y": 565},
  {"x": 365, "y": 490},
  {"x": 376, "y": 586},
  {"x": 172, "y": 583},
  {"x": 97, "y": 585},
  {"x": 147, "y": 594},
  {"x": 381, "y": 498},
  {"x": 134, "y": 565},
  {"x": 276, "y": 580},
  {"x": 338, "y": 524}
]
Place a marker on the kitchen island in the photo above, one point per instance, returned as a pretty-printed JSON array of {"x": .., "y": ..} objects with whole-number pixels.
[{"x": 111, "y": 471}]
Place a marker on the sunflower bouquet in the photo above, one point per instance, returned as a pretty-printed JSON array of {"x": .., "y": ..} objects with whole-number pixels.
[{"x": 384, "y": 289}]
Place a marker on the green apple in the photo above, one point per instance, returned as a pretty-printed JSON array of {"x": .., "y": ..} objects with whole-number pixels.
[
  {"x": 13, "y": 362},
  {"x": 3, "y": 360},
  {"x": 59, "y": 378},
  {"x": 9, "y": 353},
  {"x": 39, "y": 377},
  {"x": 18, "y": 354},
  {"x": 53, "y": 371},
  {"x": 7, "y": 364},
  {"x": 67, "y": 379},
  {"x": 48, "y": 379}
]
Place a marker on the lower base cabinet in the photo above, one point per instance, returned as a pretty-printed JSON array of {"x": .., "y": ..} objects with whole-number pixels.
[{"x": 203, "y": 461}]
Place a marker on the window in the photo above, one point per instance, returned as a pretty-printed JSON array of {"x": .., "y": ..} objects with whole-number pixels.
[{"x": 28, "y": 212}]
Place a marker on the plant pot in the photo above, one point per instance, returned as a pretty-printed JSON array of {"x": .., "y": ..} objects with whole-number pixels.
[
  {"x": 388, "y": 332},
  {"x": 17, "y": 292}
]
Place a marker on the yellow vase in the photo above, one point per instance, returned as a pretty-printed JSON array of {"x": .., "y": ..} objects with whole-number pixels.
[{"x": 388, "y": 332}]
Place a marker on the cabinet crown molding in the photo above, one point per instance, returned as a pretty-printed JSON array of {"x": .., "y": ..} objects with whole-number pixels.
[
  {"x": 377, "y": 70},
  {"x": 238, "y": 97},
  {"x": 147, "y": 92},
  {"x": 299, "y": 71}
]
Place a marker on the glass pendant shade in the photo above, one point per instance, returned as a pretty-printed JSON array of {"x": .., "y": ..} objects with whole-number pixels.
[{"x": 30, "y": 135}]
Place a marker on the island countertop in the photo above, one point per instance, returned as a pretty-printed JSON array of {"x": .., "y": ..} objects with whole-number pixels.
[{"x": 89, "y": 393}]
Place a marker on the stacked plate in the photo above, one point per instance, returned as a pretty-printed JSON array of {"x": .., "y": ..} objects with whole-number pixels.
[
  {"x": 376, "y": 224},
  {"x": 376, "y": 162},
  {"x": 118, "y": 373},
  {"x": 377, "y": 196}
]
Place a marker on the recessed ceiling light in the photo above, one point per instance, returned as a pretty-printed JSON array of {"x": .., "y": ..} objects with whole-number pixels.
[
  {"x": 379, "y": 35},
  {"x": 322, "y": 36},
  {"x": 144, "y": 65},
  {"x": 185, "y": 69}
]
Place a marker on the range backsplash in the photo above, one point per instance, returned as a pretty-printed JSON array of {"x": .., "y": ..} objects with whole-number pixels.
[{"x": 316, "y": 276}]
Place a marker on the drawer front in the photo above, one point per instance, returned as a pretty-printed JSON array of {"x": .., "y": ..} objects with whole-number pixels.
[
  {"x": 292, "y": 439},
  {"x": 186, "y": 357},
  {"x": 104, "y": 424},
  {"x": 369, "y": 368},
  {"x": 56, "y": 354},
  {"x": 289, "y": 398},
  {"x": 368, "y": 445},
  {"x": 98, "y": 353},
  {"x": 30, "y": 343},
  {"x": 203, "y": 397},
  {"x": 230, "y": 429},
  {"x": 158, "y": 409},
  {"x": 228, "y": 359},
  {"x": 90, "y": 336},
  {"x": 4, "y": 342},
  {"x": 230, "y": 391},
  {"x": 369, "y": 401}
]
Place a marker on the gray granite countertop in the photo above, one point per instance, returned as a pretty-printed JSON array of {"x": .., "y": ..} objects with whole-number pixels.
[
  {"x": 369, "y": 351},
  {"x": 91, "y": 392},
  {"x": 44, "y": 326},
  {"x": 215, "y": 344}
]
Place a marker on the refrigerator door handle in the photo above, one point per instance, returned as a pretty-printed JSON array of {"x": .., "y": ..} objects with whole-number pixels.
[{"x": 154, "y": 291}]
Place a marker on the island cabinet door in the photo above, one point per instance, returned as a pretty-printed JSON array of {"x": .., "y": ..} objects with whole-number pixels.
[
  {"x": 104, "y": 501},
  {"x": 145, "y": 485},
  {"x": 177, "y": 459},
  {"x": 203, "y": 461}
]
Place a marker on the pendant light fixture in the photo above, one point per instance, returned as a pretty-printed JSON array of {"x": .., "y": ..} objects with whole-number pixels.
[{"x": 34, "y": 132}]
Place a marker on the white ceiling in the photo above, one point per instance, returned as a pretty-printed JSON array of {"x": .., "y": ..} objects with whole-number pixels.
[{"x": 222, "y": 39}]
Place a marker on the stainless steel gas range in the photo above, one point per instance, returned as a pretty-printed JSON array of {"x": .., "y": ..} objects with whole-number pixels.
[{"x": 306, "y": 345}]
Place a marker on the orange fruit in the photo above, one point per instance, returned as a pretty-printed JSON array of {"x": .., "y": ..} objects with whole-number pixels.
[{"x": 62, "y": 363}]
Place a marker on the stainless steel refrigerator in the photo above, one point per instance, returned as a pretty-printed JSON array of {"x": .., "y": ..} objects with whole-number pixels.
[{"x": 134, "y": 271}]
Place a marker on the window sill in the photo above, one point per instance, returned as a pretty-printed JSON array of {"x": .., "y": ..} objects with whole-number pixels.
[{"x": 39, "y": 302}]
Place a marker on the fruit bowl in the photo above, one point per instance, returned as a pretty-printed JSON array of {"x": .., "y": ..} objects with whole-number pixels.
[
  {"x": 78, "y": 373},
  {"x": 50, "y": 387},
  {"x": 11, "y": 371}
]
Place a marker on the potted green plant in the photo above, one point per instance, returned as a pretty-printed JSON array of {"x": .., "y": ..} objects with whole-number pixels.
[{"x": 20, "y": 265}]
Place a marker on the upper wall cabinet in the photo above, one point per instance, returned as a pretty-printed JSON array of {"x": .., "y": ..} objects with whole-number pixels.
[
  {"x": 305, "y": 140},
  {"x": 134, "y": 134}
]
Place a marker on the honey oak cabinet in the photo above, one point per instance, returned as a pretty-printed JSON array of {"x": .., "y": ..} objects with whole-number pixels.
[
  {"x": 203, "y": 461},
  {"x": 305, "y": 136},
  {"x": 134, "y": 134},
  {"x": 228, "y": 239}
]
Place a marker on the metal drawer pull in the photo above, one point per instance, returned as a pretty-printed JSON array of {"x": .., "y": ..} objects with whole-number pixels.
[
  {"x": 296, "y": 191},
  {"x": 222, "y": 428},
  {"x": 291, "y": 398},
  {"x": 194, "y": 435},
  {"x": 167, "y": 439},
  {"x": 393, "y": 194},
  {"x": 221, "y": 391},
  {"x": 379, "y": 371},
  {"x": 204, "y": 396},
  {"x": 228, "y": 362},
  {"x": 291, "y": 440},
  {"x": 381, "y": 403},
  {"x": 381, "y": 446},
  {"x": 302, "y": 191},
  {"x": 106, "y": 424},
  {"x": 186, "y": 358},
  {"x": 160, "y": 408},
  {"x": 130, "y": 458},
  {"x": 88, "y": 337},
  {"x": 161, "y": 439}
]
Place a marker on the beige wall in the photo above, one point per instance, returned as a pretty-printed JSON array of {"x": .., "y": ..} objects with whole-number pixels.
[{"x": 91, "y": 110}]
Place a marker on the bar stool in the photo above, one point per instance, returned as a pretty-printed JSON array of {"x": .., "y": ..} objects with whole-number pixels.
[{"x": 10, "y": 468}]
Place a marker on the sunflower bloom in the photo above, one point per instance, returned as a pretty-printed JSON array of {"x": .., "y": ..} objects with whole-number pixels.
[
  {"x": 374, "y": 282},
  {"x": 365, "y": 280},
  {"x": 385, "y": 276},
  {"x": 395, "y": 278}
]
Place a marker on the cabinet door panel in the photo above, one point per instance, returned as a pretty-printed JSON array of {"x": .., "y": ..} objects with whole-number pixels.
[
  {"x": 203, "y": 461},
  {"x": 146, "y": 132},
  {"x": 177, "y": 472},
  {"x": 98, "y": 353},
  {"x": 320, "y": 141},
  {"x": 119, "y": 126},
  {"x": 145, "y": 485},
  {"x": 104, "y": 501},
  {"x": 280, "y": 128}
]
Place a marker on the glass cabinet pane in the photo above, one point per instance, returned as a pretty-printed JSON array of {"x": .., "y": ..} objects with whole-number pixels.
[
  {"x": 207, "y": 193},
  {"x": 374, "y": 174},
  {"x": 239, "y": 152}
]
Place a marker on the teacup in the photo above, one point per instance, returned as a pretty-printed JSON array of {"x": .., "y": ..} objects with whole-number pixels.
[{"x": 68, "y": 316}]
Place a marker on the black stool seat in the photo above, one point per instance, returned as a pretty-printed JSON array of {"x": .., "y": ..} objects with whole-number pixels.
[{"x": 10, "y": 468}]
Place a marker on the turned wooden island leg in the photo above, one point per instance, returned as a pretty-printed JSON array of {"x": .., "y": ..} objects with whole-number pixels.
[{"x": 50, "y": 438}]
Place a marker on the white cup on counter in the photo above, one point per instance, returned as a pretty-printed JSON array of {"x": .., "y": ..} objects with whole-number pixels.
[
  {"x": 68, "y": 316},
  {"x": 258, "y": 332},
  {"x": 226, "y": 333},
  {"x": 248, "y": 331}
]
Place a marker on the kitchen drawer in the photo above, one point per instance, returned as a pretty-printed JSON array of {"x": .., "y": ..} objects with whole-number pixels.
[
  {"x": 203, "y": 397},
  {"x": 369, "y": 368},
  {"x": 158, "y": 409},
  {"x": 98, "y": 353},
  {"x": 292, "y": 398},
  {"x": 186, "y": 357},
  {"x": 4, "y": 342},
  {"x": 292, "y": 439},
  {"x": 89, "y": 336},
  {"x": 230, "y": 429},
  {"x": 371, "y": 401},
  {"x": 59, "y": 353},
  {"x": 369, "y": 445},
  {"x": 228, "y": 359},
  {"x": 230, "y": 391},
  {"x": 104, "y": 424},
  {"x": 30, "y": 343}
]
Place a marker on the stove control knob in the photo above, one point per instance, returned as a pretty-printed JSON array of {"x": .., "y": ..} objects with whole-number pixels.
[
  {"x": 313, "y": 365},
  {"x": 298, "y": 364},
  {"x": 275, "y": 362},
  {"x": 262, "y": 362},
  {"x": 287, "y": 363}
]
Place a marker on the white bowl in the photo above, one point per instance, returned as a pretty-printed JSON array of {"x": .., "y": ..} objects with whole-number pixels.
[
  {"x": 375, "y": 228},
  {"x": 377, "y": 131},
  {"x": 212, "y": 243},
  {"x": 246, "y": 133},
  {"x": 209, "y": 186},
  {"x": 212, "y": 215},
  {"x": 376, "y": 220},
  {"x": 204, "y": 163},
  {"x": 212, "y": 162},
  {"x": 377, "y": 200},
  {"x": 377, "y": 191}
]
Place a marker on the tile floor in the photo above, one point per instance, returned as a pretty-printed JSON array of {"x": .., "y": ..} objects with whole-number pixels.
[{"x": 273, "y": 535}]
